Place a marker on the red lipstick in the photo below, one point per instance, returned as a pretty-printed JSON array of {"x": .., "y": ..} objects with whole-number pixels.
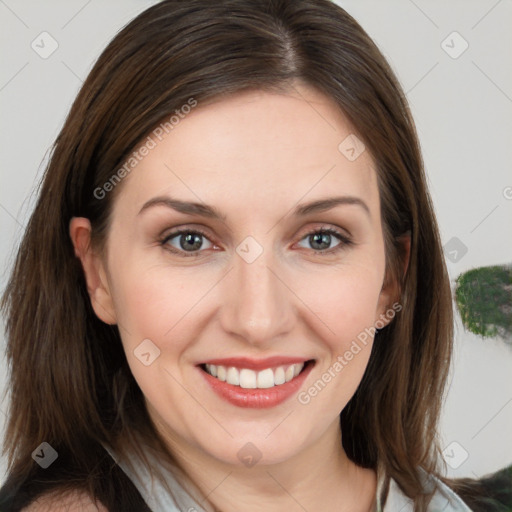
[{"x": 256, "y": 398}]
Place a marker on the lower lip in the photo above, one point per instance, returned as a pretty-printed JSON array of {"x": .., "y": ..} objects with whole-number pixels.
[{"x": 257, "y": 398}]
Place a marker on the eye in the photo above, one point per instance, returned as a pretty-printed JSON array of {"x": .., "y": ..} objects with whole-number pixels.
[
  {"x": 324, "y": 240},
  {"x": 187, "y": 241}
]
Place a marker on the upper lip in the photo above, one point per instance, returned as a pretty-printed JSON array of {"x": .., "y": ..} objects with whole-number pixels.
[{"x": 256, "y": 364}]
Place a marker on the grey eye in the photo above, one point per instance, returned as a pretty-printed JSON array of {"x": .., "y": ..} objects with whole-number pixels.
[
  {"x": 188, "y": 241},
  {"x": 320, "y": 241}
]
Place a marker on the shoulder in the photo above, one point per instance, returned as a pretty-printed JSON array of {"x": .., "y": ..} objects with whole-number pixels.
[
  {"x": 446, "y": 497},
  {"x": 442, "y": 497},
  {"x": 76, "y": 501}
]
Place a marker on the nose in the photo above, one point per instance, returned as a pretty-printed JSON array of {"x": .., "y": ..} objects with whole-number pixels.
[{"x": 256, "y": 303}]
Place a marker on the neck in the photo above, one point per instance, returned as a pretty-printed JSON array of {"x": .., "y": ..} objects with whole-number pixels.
[{"x": 321, "y": 473}]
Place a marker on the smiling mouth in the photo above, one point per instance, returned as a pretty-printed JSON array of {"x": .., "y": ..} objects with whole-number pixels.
[{"x": 251, "y": 379}]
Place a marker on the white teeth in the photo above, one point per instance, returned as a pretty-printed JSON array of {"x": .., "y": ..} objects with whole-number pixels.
[
  {"x": 221, "y": 373},
  {"x": 297, "y": 368},
  {"x": 250, "y": 379},
  {"x": 233, "y": 376},
  {"x": 266, "y": 378},
  {"x": 212, "y": 369},
  {"x": 247, "y": 379},
  {"x": 279, "y": 377}
]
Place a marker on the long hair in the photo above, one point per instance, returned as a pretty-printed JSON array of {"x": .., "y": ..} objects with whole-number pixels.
[{"x": 61, "y": 355}]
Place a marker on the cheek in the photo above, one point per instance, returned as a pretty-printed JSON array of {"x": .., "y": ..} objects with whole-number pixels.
[
  {"x": 158, "y": 305},
  {"x": 154, "y": 303},
  {"x": 344, "y": 301},
  {"x": 344, "y": 304}
]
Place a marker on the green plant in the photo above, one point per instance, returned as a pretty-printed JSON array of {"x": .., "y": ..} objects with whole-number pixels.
[{"x": 484, "y": 299}]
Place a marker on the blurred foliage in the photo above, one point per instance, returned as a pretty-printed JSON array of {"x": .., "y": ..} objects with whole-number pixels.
[
  {"x": 492, "y": 493},
  {"x": 484, "y": 298}
]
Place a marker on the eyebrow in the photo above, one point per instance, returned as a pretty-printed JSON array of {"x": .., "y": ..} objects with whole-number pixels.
[
  {"x": 204, "y": 210},
  {"x": 187, "y": 207},
  {"x": 323, "y": 205}
]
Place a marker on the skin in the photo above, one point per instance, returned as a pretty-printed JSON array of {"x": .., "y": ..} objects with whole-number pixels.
[{"x": 254, "y": 157}]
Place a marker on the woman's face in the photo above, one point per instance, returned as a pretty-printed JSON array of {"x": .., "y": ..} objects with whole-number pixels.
[{"x": 252, "y": 285}]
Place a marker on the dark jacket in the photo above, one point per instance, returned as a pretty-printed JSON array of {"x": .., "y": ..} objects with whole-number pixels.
[{"x": 111, "y": 485}]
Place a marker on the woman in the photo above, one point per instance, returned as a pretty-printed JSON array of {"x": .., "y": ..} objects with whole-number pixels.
[{"x": 232, "y": 280}]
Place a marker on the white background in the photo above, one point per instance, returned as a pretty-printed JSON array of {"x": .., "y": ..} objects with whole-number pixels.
[{"x": 463, "y": 110}]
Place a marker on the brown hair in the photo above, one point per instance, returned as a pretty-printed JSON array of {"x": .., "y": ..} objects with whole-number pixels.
[{"x": 61, "y": 355}]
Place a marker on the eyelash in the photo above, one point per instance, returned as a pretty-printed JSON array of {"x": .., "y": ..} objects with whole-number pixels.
[
  {"x": 345, "y": 241},
  {"x": 178, "y": 232}
]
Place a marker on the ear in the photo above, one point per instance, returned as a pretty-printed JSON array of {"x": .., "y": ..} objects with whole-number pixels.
[
  {"x": 94, "y": 270},
  {"x": 389, "y": 299}
]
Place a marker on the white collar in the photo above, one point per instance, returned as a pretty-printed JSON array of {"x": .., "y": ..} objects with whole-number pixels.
[
  {"x": 180, "y": 495},
  {"x": 444, "y": 499}
]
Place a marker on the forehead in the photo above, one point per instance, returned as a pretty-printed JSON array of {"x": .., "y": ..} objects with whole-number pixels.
[{"x": 272, "y": 149}]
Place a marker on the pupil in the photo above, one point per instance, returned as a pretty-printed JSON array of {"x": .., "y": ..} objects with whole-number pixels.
[
  {"x": 190, "y": 241},
  {"x": 320, "y": 240}
]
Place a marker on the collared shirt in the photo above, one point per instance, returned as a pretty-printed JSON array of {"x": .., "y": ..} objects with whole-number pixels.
[
  {"x": 178, "y": 494},
  {"x": 443, "y": 500}
]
